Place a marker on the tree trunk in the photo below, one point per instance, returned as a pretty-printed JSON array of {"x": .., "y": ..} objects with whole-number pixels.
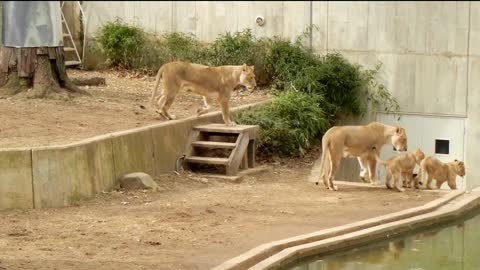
[{"x": 38, "y": 71}]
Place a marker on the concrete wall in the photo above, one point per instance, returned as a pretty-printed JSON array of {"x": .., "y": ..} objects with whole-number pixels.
[
  {"x": 424, "y": 46},
  {"x": 56, "y": 176},
  {"x": 472, "y": 142},
  {"x": 205, "y": 19},
  {"x": 429, "y": 50}
]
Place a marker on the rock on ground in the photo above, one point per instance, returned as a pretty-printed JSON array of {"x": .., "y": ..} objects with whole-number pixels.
[{"x": 138, "y": 180}]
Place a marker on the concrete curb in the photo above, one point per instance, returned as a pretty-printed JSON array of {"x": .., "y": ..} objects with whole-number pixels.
[
  {"x": 60, "y": 175},
  {"x": 265, "y": 251},
  {"x": 445, "y": 213}
]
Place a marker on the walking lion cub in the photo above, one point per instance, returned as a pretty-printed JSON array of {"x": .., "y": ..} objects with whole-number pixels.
[
  {"x": 432, "y": 168},
  {"x": 399, "y": 167}
]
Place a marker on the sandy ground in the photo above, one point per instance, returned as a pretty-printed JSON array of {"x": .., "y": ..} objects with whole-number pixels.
[
  {"x": 113, "y": 107},
  {"x": 191, "y": 223}
]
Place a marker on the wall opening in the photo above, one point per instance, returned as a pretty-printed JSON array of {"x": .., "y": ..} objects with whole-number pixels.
[{"x": 442, "y": 146}]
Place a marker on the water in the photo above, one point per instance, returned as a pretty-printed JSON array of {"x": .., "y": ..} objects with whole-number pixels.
[{"x": 452, "y": 247}]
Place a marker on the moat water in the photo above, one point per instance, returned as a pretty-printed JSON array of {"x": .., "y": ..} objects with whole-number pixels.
[{"x": 455, "y": 246}]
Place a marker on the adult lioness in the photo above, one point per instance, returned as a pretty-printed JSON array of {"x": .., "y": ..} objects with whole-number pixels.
[
  {"x": 210, "y": 82},
  {"x": 357, "y": 141}
]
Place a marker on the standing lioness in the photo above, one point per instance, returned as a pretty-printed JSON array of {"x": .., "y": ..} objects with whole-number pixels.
[
  {"x": 210, "y": 82},
  {"x": 357, "y": 141}
]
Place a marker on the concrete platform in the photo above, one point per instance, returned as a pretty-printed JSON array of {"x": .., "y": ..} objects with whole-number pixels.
[{"x": 274, "y": 254}]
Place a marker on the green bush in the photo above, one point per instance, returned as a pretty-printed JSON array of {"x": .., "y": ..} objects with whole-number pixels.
[
  {"x": 311, "y": 89},
  {"x": 122, "y": 43},
  {"x": 241, "y": 48},
  {"x": 168, "y": 47},
  {"x": 348, "y": 87},
  {"x": 289, "y": 123}
]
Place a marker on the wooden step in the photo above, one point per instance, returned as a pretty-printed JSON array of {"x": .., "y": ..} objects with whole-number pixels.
[
  {"x": 72, "y": 63},
  {"x": 65, "y": 35},
  {"x": 68, "y": 49},
  {"x": 210, "y": 144},
  {"x": 207, "y": 160},
  {"x": 222, "y": 128}
]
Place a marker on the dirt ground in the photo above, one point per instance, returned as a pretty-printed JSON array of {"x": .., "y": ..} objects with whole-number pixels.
[
  {"x": 113, "y": 107},
  {"x": 191, "y": 223}
]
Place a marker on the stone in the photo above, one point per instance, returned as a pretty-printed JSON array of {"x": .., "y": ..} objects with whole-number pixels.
[{"x": 138, "y": 180}]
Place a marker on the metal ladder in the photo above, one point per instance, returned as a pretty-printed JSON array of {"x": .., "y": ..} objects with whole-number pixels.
[{"x": 67, "y": 36}]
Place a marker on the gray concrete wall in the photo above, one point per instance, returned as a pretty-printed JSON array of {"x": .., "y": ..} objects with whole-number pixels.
[
  {"x": 422, "y": 45},
  {"x": 56, "y": 176},
  {"x": 429, "y": 50},
  {"x": 16, "y": 178},
  {"x": 472, "y": 125}
]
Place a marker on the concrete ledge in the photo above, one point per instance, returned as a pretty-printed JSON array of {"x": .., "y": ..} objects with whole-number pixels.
[
  {"x": 262, "y": 252},
  {"x": 446, "y": 213},
  {"x": 63, "y": 175},
  {"x": 59, "y": 175},
  {"x": 16, "y": 179},
  {"x": 133, "y": 151}
]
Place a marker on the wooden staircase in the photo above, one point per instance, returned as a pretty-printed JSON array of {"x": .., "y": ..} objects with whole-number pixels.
[{"x": 239, "y": 140}]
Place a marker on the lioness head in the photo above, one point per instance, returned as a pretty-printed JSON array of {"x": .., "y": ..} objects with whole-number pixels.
[
  {"x": 247, "y": 78},
  {"x": 419, "y": 155},
  {"x": 399, "y": 139},
  {"x": 459, "y": 168}
]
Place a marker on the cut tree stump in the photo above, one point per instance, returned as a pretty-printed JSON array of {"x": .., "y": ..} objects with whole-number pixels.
[{"x": 40, "y": 72}]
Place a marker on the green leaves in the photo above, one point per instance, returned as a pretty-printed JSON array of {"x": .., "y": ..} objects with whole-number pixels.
[
  {"x": 290, "y": 123},
  {"x": 121, "y": 43},
  {"x": 312, "y": 90}
]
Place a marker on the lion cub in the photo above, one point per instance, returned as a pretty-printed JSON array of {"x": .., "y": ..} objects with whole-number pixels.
[
  {"x": 399, "y": 166},
  {"x": 433, "y": 168}
]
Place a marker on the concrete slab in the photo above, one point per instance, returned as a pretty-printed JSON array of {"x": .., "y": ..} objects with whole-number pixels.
[
  {"x": 263, "y": 252},
  {"x": 448, "y": 212},
  {"x": 63, "y": 175},
  {"x": 133, "y": 152},
  {"x": 16, "y": 179}
]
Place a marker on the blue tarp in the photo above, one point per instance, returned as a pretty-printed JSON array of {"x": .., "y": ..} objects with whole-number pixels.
[{"x": 32, "y": 24}]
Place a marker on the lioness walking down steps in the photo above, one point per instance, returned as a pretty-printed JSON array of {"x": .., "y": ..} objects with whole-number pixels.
[
  {"x": 210, "y": 82},
  {"x": 357, "y": 141}
]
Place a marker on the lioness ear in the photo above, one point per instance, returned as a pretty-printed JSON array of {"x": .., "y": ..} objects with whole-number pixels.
[
  {"x": 253, "y": 68},
  {"x": 244, "y": 67}
]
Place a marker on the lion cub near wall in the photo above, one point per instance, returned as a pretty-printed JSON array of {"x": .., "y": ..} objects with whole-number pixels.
[
  {"x": 210, "y": 82},
  {"x": 432, "y": 168},
  {"x": 399, "y": 167}
]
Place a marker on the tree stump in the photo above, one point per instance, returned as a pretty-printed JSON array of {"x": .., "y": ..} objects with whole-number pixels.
[{"x": 40, "y": 72}]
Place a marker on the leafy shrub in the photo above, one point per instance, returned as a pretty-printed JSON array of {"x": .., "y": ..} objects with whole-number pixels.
[
  {"x": 346, "y": 86},
  {"x": 289, "y": 123},
  {"x": 311, "y": 89},
  {"x": 240, "y": 48},
  {"x": 286, "y": 61},
  {"x": 122, "y": 43},
  {"x": 183, "y": 47},
  {"x": 159, "y": 50}
]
